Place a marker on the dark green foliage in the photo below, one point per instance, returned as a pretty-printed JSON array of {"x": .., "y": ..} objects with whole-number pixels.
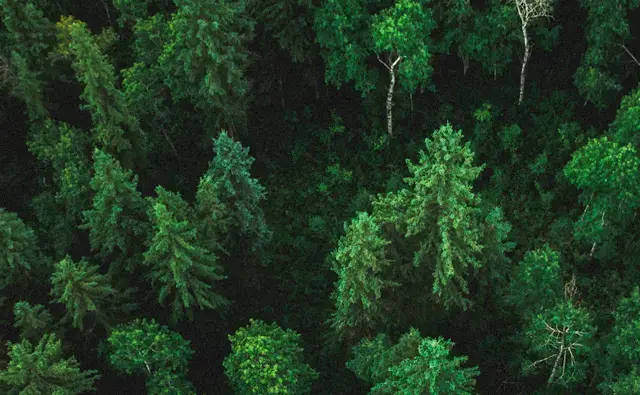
[
  {"x": 180, "y": 269},
  {"x": 82, "y": 289},
  {"x": 150, "y": 349},
  {"x": 33, "y": 321},
  {"x": 267, "y": 359},
  {"x": 414, "y": 365},
  {"x": 43, "y": 369},
  {"x": 228, "y": 198}
]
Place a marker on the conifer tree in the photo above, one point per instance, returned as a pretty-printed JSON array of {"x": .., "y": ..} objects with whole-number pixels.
[
  {"x": 33, "y": 321},
  {"x": 205, "y": 59},
  {"x": 359, "y": 262},
  {"x": 82, "y": 289},
  {"x": 414, "y": 365},
  {"x": 22, "y": 265},
  {"x": 180, "y": 269},
  {"x": 147, "y": 348},
  {"x": 116, "y": 218},
  {"x": 228, "y": 198},
  {"x": 43, "y": 369},
  {"x": 267, "y": 359}
]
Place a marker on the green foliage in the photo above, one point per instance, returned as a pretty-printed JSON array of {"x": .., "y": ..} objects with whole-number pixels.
[
  {"x": 415, "y": 365},
  {"x": 228, "y": 198},
  {"x": 28, "y": 87},
  {"x": 131, "y": 10},
  {"x": 627, "y": 122},
  {"x": 22, "y": 265},
  {"x": 179, "y": 267},
  {"x": 81, "y": 288},
  {"x": 148, "y": 348},
  {"x": 116, "y": 217},
  {"x": 33, "y": 321},
  {"x": 43, "y": 369},
  {"x": 559, "y": 342},
  {"x": 267, "y": 359},
  {"x": 359, "y": 262},
  {"x": 537, "y": 283},
  {"x": 205, "y": 58}
]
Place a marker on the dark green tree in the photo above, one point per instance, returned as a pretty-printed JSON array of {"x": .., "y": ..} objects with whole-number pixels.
[
  {"x": 43, "y": 369},
  {"x": 81, "y": 289},
  {"x": 180, "y": 268},
  {"x": 267, "y": 359},
  {"x": 33, "y": 321}
]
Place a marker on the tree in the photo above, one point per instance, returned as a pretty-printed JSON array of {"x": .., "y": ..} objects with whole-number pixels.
[
  {"x": 267, "y": 359},
  {"x": 80, "y": 287},
  {"x": 228, "y": 198},
  {"x": 529, "y": 11},
  {"x": 22, "y": 265},
  {"x": 359, "y": 262},
  {"x": 42, "y": 369},
  {"x": 206, "y": 56},
  {"x": 179, "y": 267},
  {"x": 415, "y": 365},
  {"x": 145, "y": 347},
  {"x": 33, "y": 321},
  {"x": 116, "y": 218}
]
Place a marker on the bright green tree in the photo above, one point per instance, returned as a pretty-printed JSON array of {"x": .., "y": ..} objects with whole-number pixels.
[
  {"x": 267, "y": 359},
  {"x": 625, "y": 127},
  {"x": 359, "y": 261},
  {"x": 33, "y": 321},
  {"x": 206, "y": 57},
  {"x": 82, "y": 289},
  {"x": 22, "y": 265},
  {"x": 180, "y": 268},
  {"x": 414, "y": 365},
  {"x": 152, "y": 350},
  {"x": 43, "y": 369},
  {"x": 116, "y": 219},
  {"x": 228, "y": 199}
]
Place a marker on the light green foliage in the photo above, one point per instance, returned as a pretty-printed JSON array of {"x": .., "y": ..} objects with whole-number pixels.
[
  {"x": 599, "y": 77},
  {"x": 627, "y": 123},
  {"x": 228, "y": 199},
  {"x": 43, "y": 369},
  {"x": 179, "y": 267},
  {"x": 81, "y": 288},
  {"x": 266, "y": 359},
  {"x": 415, "y": 365},
  {"x": 608, "y": 175},
  {"x": 403, "y": 30},
  {"x": 115, "y": 219},
  {"x": 537, "y": 283},
  {"x": 150, "y": 349},
  {"x": 33, "y": 321},
  {"x": 206, "y": 57},
  {"x": 559, "y": 342},
  {"x": 360, "y": 264},
  {"x": 443, "y": 211},
  {"x": 21, "y": 262},
  {"x": 115, "y": 130}
]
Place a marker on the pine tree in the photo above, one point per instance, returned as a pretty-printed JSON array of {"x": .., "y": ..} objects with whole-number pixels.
[
  {"x": 359, "y": 261},
  {"x": 116, "y": 218},
  {"x": 228, "y": 199},
  {"x": 145, "y": 347},
  {"x": 267, "y": 359},
  {"x": 33, "y": 321},
  {"x": 180, "y": 269},
  {"x": 43, "y": 369},
  {"x": 206, "y": 56},
  {"x": 22, "y": 265},
  {"x": 82, "y": 289}
]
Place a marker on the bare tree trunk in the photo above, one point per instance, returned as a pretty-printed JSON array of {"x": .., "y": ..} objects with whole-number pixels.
[
  {"x": 282, "y": 103},
  {"x": 390, "y": 102},
  {"x": 525, "y": 60}
]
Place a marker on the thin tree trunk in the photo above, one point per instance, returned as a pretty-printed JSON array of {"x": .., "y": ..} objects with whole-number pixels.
[
  {"x": 390, "y": 102},
  {"x": 525, "y": 59},
  {"x": 282, "y": 103}
]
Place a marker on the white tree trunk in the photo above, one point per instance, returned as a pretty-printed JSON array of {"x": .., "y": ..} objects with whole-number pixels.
[
  {"x": 525, "y": 60},
  {"x": 392, "y": 83}
]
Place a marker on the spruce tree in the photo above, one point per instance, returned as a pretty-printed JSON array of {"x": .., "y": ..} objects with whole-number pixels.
[
  {"x": 180, "y": 269},
  {"x": 82, "y": 289},
  {"x": 43, "y": 369},
  {"x": 267, "y": 359},
  {"x": 33, "y": 321}
]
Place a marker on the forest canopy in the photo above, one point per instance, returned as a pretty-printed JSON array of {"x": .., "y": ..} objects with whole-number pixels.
[{"x": 319, "y": 197}]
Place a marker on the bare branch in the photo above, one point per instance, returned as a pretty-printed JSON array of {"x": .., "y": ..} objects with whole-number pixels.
[{"x": 630, "y": 54}]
